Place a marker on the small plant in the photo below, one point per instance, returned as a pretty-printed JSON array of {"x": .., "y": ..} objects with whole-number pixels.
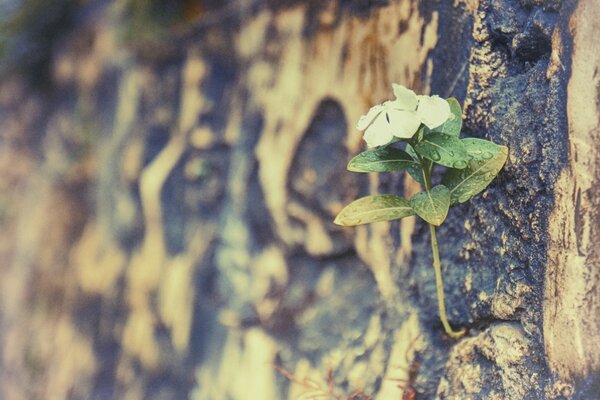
[{"x": 429, "y": 127}]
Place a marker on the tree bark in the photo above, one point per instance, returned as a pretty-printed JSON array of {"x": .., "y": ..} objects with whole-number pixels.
[{"x": 167, "y": 214}]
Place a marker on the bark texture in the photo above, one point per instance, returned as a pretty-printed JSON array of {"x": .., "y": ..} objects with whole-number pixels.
[{"x": 167, "y": 202}]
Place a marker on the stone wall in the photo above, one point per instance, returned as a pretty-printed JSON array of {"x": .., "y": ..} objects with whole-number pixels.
[{"x": 168, "y": 200}]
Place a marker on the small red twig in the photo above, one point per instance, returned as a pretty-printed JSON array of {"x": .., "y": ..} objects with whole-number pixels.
[
  {"x": 408, "y": 390},
  {"x": 317, "y": 392}
]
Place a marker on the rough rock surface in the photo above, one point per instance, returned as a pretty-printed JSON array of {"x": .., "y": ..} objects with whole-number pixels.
[{"x": 168, "y": 196}]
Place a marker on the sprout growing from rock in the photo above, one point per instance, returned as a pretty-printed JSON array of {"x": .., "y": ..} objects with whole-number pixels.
[{"x": 414, "y": 134}]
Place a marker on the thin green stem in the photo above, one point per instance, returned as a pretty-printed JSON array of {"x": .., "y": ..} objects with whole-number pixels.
[
  {"x": 426, "y": 172},
  {"x": 437, "y": 266},
  {"x": 439, "y": 284}
]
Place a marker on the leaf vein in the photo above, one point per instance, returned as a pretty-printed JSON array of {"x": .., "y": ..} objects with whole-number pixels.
[
  {"x": 438, "y": 146},
  {"x": 470, "y": 176},
  {"x": 382, "y": 210}
]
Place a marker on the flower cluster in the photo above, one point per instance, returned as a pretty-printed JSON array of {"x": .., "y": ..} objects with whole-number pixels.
[{"x": 402, "y": 117}]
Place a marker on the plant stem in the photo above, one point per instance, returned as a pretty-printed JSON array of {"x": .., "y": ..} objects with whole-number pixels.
[
  {"x": 426, "y": 172},
  {"x": 437, "y": 267},
  {"x": 439, "y": 285}
]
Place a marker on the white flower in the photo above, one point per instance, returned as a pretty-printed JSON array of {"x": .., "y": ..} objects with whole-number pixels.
[
  {"x": 433, "y": 111},
  {"x": 402, "y": 117}
]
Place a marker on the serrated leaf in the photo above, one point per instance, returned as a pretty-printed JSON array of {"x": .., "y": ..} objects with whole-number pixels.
[
  {"x": 479, "y": 149},
  {"x": 443, "y": 149},
  {"x": 432, "y": 205},
  {"x": 384, "y": 159},
  {"x": 466, "y": 183},
  {"x": 454, "y": 124},
  {"x": 415, "y": 170},
  {"x": 376, "y": 208}
]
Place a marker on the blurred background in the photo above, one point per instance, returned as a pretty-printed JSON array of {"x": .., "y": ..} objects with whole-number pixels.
[
  {"x": 170, "y": 170},
  {"x": 145, "y": 253}
]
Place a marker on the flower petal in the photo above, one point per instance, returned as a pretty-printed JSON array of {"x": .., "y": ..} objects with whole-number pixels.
[
  {"x": 379, "y": 132},
  {"x": 404, "y": 123},
  {"x": 367, "y": 119},
  {"x": 406, "y": 99},
  {"x": 433, "y": 111}
]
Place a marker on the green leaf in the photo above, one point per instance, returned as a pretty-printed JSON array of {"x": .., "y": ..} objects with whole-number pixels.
[
  {"x": 415, "y": 170},
  {"x": 432, "y": 205},
  {"x": 384, "y": 159},
  {"x": 454, "y": 124},
  {"x": 479, "y": 149},
  {"x": 466, "y": 183},
  {"x": 417, "y": 137},
  {"x": 377, "y": 208},
  {"x": 443, "y": 149}
]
